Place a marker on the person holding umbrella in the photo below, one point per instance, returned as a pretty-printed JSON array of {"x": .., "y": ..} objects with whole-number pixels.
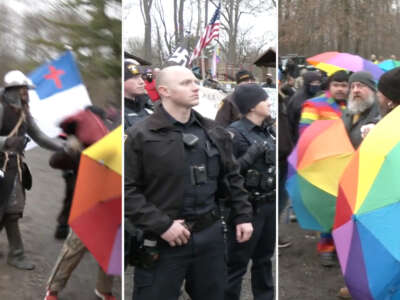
[
  {"x": 327, "y": 106},
  {"x": 388, "y": 98},
  {"x": 83, "y": 129}
]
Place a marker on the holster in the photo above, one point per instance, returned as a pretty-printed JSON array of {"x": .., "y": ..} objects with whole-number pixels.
[{"x": 137, "y": 252}]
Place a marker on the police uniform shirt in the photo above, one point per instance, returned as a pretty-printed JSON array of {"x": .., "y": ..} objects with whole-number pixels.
[
  {"x": 256, "y": 134},
  {"x": 199, "y": 198},
  {"x": 247, "y": 133},
  {"x": 135, "y": 110}
]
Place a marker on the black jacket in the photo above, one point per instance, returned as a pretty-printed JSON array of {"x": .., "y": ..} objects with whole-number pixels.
[
  {"x": 370, "y": 116},
  {"x": 154, "y": 182},
  {"x": 295, "y": 104},
  {"x": 135, "y": 110}
]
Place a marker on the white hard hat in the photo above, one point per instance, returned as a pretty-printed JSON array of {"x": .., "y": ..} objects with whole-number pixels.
[{"x": 17, "y": 78}]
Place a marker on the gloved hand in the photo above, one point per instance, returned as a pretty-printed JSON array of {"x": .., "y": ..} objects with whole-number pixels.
[
  {"x": 256, "y": 150},
  {"x": 15, "y": 144},
  {"x": 252, "y": 153}
]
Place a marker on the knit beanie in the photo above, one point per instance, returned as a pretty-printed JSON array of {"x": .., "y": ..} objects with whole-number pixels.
[
  {"x": 247, "y": 96},
  {"x": 389, "y": 85},
  {"x": 365, "y": 78},
  {"x": 244, "y": 75}
]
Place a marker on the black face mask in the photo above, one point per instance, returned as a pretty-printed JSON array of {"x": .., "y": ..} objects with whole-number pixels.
[
  {"x": 149, "y": 78},
  {"x": 314, "y": 89},
  {"x": 269, "y": 81},
  {"x": 12, "y": 97}
]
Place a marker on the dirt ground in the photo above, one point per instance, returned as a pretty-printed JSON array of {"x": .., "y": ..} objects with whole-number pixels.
[
  {"x": 42, "y": 206},
  {"x": 300, "y": 274}
]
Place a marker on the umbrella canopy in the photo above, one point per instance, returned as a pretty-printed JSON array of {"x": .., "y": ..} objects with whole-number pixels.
[
  {"x": 96, "y": 208},
  {"x": 367, "y": 220},
  {"x": 389, "y": 64},
  {"x": 330, "y": 62},
  {"x": 315, "y": 166}
]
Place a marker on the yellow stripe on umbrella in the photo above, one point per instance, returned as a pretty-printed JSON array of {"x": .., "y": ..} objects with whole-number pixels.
[{"x": 96, "y": 211}]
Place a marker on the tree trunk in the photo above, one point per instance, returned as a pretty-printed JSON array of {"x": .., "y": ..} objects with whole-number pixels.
[{"x": 146, "y": 8}]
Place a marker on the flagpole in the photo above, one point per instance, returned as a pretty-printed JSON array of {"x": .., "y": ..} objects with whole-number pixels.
[{"x": 203, "y": 67}]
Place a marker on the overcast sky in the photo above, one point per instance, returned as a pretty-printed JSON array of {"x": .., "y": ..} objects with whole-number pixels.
[{"x": 133, "y": 25}]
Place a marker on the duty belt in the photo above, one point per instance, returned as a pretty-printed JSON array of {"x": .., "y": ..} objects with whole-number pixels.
[
  {"x": 260, "y": 198},
  {"x": 199, "y": 223}
]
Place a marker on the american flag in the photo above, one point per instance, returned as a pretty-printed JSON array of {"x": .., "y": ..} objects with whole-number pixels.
[{"x": 211, "y": 32}]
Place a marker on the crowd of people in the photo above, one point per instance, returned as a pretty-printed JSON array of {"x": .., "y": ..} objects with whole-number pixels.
[{"x": 355, "y": 98}]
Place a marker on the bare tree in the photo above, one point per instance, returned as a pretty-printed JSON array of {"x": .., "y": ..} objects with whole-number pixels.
[
  {"x": 145, "y": 8},
  {"x": 362, "y": 27},
  {"x": 231, "y": 13}
]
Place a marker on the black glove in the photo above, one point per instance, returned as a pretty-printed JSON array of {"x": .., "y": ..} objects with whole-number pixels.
[
  {"x": 252, "y": 153},
  {"x": 15, "y": 144}
]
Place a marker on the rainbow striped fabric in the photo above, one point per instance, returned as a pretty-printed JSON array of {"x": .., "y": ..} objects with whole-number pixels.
[{"x": 322, "y": 107}]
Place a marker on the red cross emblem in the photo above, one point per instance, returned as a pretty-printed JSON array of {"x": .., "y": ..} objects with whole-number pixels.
[{"x": 54, "y": 75}]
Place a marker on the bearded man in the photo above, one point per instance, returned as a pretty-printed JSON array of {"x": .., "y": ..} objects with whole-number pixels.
[{"x": 362, "y": 105}]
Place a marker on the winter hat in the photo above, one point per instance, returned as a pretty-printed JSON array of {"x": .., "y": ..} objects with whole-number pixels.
[
  {"x": 389, "y": 85},
  {"x": 131, "y": 69},
  {"x": 309, "y": 77},
  {"x": 247, "y": 96},
  {"x": 365, "y": 78},
  {"x": 244, "y": 75}
]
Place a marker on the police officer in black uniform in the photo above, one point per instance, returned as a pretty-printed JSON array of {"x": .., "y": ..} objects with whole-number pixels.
[
  {"x": 254, "y": 148},
  {"x": 176, "y": 163},
  {"x": 136, "y": 100}
]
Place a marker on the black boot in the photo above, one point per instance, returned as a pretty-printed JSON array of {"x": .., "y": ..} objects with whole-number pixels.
[{"x": 16, "y": 257}]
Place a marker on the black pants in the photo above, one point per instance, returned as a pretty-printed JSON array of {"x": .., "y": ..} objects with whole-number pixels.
[
  {"x": 201, "y": 262},
  {"x": 260, "y": 249},
  {"x": 63, "y": 216}
]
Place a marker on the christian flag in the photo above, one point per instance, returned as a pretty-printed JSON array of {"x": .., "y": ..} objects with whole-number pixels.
[
  {"x": 211, "y": 32},
  {"x": 59, "y": 93}
]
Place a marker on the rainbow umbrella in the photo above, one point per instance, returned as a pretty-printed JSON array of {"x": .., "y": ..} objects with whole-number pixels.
[
  {"x": 389, "y": 64},
  {"x": 367, "y": 220},
  {"x": 330, "y": 62},
  {"x": 96, "y": 211},
  {"x": 315, "y": 166}
]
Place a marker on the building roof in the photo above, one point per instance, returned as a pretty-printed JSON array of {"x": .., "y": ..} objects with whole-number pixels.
[{"x": 267, "y": 59}]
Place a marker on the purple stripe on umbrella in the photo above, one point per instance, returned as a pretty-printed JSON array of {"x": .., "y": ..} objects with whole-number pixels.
[
  {"x": 372, "y": 68},
  {"x": 343, "y": 236},
  {"x": 356, "y": 273},
  {"x": 292, "y": 160},
  {"x": 115, "y": 263}
]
